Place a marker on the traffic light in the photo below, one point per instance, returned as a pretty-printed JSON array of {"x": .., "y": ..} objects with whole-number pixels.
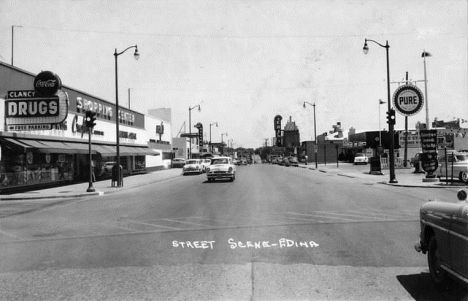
[
  {"x": 391, "y": 116},
  {"x": 90, "y": 119}
]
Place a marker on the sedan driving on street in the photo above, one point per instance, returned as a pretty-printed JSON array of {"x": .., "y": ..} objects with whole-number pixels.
[
  {"x": 193, "y": 166},
  {"x": 444, "y": 237},
  {"x": 221, "y": 168}
]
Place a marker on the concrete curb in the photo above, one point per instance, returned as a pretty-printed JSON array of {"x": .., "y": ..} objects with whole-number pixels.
[{"x": 78, "y": 194}]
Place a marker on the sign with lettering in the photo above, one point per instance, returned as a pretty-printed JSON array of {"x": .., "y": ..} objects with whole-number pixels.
[
  {"x": 47, "y": 83},
  {"x": 408, "y": 100},
  {"x": 428, "y": 141},
  {"x": 28, "y": 107},
  {"x": 277, "y": 126},
  {"x": 429, "y": 162},
  {"x": 428, "y": 158},
  {"x": 199, "y": 126}
]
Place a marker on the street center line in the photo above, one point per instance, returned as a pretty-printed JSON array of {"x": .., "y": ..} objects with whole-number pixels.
[
  {"x": 176, "y": 221},
  {"x": 318, "y": 215},
  {"x": 378, "y": 213},
  {"x": 154, "y": 225},
  {"x": 353, "y": 215}
]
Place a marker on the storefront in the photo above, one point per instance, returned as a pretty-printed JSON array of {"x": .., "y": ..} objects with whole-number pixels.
[{"x": 44, "y": 140}]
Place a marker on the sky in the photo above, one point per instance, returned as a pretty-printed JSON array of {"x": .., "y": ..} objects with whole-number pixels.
[{"x": 244, "y": 62}]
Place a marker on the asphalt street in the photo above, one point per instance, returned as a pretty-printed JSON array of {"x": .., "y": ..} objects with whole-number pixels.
[{"x": 276, "y": 233}]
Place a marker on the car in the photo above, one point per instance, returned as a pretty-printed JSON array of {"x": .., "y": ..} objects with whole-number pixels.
[
  {"x": 235, "y": 161},
  {"x": 178, "y": 162},
  {"x": 107, "y": 168},
  {"x": 414, "y": 162},
  {"x": 444, "y": 237},
  {"x": 293, "y": 161},
  {"x": 192, "y": 166},
  {"x": 241, "y": 161},
  {"x": 221, "y": 168},
  {"x": 205, "y": 163},
  {"x": 361, "y": 158},
  {"x": 456, "y": 166}
]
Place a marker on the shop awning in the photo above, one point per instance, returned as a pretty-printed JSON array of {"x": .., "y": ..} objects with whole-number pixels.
[
  {"x": 43, "y": 146},
  {"x": 111, "y": 150}
]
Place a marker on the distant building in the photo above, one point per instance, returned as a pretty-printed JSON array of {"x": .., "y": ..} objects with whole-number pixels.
[{"x": 291, "y": 135}]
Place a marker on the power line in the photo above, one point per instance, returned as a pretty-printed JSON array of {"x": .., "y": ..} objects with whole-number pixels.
[{"x": 193, "y": 36}]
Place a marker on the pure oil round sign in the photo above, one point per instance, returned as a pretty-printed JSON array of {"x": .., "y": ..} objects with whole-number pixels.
[{"x": 408, "y": 100}]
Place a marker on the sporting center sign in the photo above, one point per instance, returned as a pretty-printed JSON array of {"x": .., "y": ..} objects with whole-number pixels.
[{"x": 408, "y": 100}]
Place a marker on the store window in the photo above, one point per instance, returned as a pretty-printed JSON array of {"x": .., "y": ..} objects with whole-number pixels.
[{"x": 32, "y": 168}]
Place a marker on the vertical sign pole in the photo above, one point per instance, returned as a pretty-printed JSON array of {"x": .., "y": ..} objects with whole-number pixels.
[{"x": 90, "y": 187}]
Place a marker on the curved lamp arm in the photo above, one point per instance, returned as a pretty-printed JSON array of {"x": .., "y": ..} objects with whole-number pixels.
[
  {"x": 365, "y": 49},
  {"x": 136, "y": 54},
  {"x": 199, "y": 108}
]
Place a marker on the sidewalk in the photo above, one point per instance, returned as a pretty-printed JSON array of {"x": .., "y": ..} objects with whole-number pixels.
[
  {"x": 100, "y": 187},
  {"x": 405, "y": 178}
]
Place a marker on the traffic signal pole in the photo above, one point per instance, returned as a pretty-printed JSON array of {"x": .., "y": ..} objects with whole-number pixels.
[{"x": 90, "y": 123}]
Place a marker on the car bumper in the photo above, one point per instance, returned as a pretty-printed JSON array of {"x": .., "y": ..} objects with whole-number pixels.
[
  {"x": 193, "y": 171},
  {"x": 220, "y": 175}
]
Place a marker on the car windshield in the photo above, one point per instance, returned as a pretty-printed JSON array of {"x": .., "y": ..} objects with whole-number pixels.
[
  {"x": 359, "y": 155},
  {"x": 219, "y": 161},
  {"x": 192, "y": 162},
  {"x": 459, "y": 157}
]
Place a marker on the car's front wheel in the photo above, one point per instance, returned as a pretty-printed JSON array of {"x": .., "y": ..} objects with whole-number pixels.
[
  {"x": 464, "y": 177},
  {"x": 438, "y": 275}
]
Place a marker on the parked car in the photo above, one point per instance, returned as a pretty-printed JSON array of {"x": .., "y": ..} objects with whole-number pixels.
[
  {"x": 235, "y": 161},
  {"x": 414, "y": 161},
  {"x": 293, "y": 161},
  {"x": 192, "y": 166},
  {"x": 457, "y": 166},
  {"x": 444, "y": 237},
  {"x": 361, "y": 158},
  {"x": 221, "y": 168},
  {"x": 107, "y": 167},
  {"x": 205, "y": 163},
  {"x": 285, "y": 161},
  {"x": 178, "y": 162}
]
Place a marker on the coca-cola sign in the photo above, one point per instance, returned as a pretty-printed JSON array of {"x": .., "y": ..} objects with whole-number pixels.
[{"x": 47, "y": 83}]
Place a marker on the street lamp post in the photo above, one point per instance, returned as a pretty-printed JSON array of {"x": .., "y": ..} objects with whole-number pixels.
[
  {"x": 222, "y": 141},
  {"x": 315, "y": 131},
  {"x": 390, "y": 125},
  {"x": 211, "y": 147},
  {"x": 117, "y": 115},
  {"x": 13, "y": 41},
  {"x": 424, "y": 54},
  {"x": 190, "y": 128}
]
